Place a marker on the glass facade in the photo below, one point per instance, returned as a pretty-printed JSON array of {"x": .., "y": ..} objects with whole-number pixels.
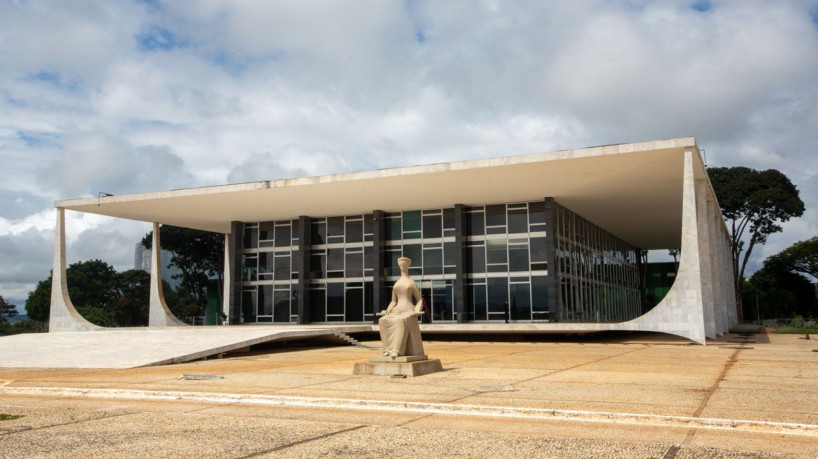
[
  {"x": 506, "y": 262},
  {"x": 500, "y": 250},
  {"x": 341, "y": 269},
  {"x": 427, "y": 237},
  {"x": 270, "y": 271},
  {"x": 598, "y": 273}
]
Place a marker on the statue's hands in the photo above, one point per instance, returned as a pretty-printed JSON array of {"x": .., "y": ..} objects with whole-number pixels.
[{"x": 381, "y": 314}]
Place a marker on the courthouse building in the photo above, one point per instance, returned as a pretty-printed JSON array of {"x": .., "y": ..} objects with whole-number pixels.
[{"x": 554, "y": 238}]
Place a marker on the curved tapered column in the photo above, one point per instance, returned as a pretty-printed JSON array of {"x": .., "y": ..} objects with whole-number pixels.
[
  {"x": 227, "y": 289},
  {"x": 682, "y": 311},
  {"x": 706, "y": 265},
  {"x": 63, "y": 316},
  {"x": 159, "y": 315}
]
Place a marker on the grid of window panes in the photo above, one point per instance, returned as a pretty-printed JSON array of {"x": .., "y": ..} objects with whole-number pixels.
[
  {"x": 599, "y": 278},
  {"x": 341, "y": 269},
  {"x": 270, "y": 271},
  {"x": 427, "y": 237},
  {"x": 506, "y": 247}
]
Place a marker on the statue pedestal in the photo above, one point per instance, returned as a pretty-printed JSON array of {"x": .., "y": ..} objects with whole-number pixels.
[{"x": 407, "y": 365}]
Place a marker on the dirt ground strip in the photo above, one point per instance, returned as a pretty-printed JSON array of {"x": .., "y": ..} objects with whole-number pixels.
[{"x": 769, "y": 379}]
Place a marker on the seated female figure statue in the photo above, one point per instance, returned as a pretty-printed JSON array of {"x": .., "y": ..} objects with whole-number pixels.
[{"x": 399, "y": 329}]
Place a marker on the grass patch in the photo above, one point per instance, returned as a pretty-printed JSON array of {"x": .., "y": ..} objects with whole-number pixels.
[
  {"x": 797, "y": 330},
  {"x": 9, "y": 417}
]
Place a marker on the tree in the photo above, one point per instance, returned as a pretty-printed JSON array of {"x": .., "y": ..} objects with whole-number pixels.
[
  {"x": 675, "y": 253},
  {"x": 7, "y": 310},
  {"x": 101, "y": 295},
  {"x": 778, "y": 293},
  {"x": 132, "y": 289},
  {"x": 753, "y": 203},
  {"x": 199, "y": 255},
  {"x": 38, "y": 303},
  {"x": 800, "y": 257}
]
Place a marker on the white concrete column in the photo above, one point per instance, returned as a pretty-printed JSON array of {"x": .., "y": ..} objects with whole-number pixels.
[
  {"x": 681, "y": 312},
  {"x": 63, "y": 316},
  {"x": 716, "y": 268},
  {"x": 705, "y": 254},
  {"x": 228, "y": 276},
  {"x": 159, "y": 314}
]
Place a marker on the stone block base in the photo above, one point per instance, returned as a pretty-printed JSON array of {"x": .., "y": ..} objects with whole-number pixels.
[{"x": 414, "y": 368}]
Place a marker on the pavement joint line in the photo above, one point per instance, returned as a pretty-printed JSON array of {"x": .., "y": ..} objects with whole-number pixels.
[
  {"x": 30, "y": 429},
  {"x": 672, "y": 451},
  {"x": 300, "y": 442},
  {"x": 668, "y": 421},
  {"x": 706, "y": 399}
]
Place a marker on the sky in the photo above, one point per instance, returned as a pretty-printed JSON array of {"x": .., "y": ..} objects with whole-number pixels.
[{"x": 137, "y": 96}]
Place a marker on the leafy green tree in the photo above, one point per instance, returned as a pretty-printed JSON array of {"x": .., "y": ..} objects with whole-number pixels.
[
  {"x": 773, "y": 292},
  {"x": 38, "y": 303},
  {"x": 754, "y": 203},
  {"x": 101, "y": 295},
  {"x": 199, "y": 255},
  {"x": 132, "y": 291},
  {"x": 90, "y": 284},
  {"x": 7, "y": 310},
  {"x": 801, "y": 257}
]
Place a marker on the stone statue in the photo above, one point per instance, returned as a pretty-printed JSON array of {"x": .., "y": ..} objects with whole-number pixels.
[{"x": 398, "y": 325}]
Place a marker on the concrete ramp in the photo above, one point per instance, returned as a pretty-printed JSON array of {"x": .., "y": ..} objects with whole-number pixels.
[{"x": 142, "y": 347}]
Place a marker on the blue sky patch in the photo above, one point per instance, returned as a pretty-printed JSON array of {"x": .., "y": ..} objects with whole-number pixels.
[
  {"x": 701, "y": 5},
  {"x": 57, "y": 79},
  {"x": 48, "y": 77},
  {"x": 38, "y": 139},
  {"x": 158, "y": 38},
  {"x": 419, "y": 37}
]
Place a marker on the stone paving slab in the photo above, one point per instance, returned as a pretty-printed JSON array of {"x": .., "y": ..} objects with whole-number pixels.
[{"x": 628, "y": 377}]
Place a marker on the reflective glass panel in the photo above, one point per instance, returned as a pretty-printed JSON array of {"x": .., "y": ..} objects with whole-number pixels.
[
  {"x": 281, "y": 306},
  {"x": 517, "y": 221},
  {"x": 496, "y": 251},
  {"x": 539, "y": 293},
  {"x": 354, "y": 265},
  {"x": 354, "y": 231},
  {"x": 283, "y": 236},
  {"x": 520, "y": 301},
  {"x": 476, "y": 224},
  {"x": 496, "y": 215},
  {"x": 432, "y": 226},
  {"x": 411, "y": 221},
  {"x": 282, "y": 268},
  {"x": 518, "y": 257},
  {"x": 335, "y": 298},
  {"x": 355, "y": 304},
  {"x": 319, "y": 233},
  {"x": 497, "y": 293},
  {"x": 266, "y": 231}
]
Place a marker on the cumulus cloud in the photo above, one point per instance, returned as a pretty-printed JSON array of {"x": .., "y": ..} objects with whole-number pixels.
[
  {"x": 26, "y": 259},
  {"x": 93, "y": 163}
]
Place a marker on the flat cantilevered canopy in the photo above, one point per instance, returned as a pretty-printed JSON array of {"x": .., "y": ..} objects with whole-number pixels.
[{"x": 632, "y": 190}]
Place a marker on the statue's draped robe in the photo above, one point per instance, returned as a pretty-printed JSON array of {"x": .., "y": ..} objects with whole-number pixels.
[{"x": 399, "y": 329}]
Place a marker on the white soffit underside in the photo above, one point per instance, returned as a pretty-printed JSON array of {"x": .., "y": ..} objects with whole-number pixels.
[{"x": 632, "y": 190}]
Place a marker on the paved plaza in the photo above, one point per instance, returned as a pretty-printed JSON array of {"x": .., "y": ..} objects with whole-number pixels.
[{"x": 610, "y": 395}]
